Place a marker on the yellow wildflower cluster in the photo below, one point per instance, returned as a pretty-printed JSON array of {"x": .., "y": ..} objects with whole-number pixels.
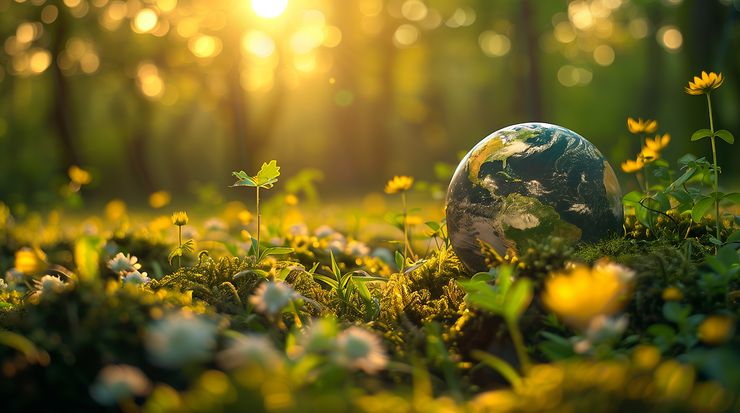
[
  {"x": 581, "y": 294},
  {"x": 651, "y": 148}
]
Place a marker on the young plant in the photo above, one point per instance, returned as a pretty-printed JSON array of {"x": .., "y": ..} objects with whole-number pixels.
[
  {"x": 507, "y": 298},
  {"x": 704, "y": 86},
  {"x": 402, "y": 184},
  {"x": 180, "y": 219},
  {"x": 265, "y": 179},
  {"x": 345, "y": 284}
]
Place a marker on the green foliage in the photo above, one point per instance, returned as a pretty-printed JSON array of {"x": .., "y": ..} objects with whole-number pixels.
[{"x": 266, "y": 177}]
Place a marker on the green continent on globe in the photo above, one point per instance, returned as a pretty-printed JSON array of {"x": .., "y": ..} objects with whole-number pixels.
[{"x": 526, "y": 182}]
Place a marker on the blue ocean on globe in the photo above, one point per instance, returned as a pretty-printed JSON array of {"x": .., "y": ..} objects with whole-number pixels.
[{"x": 526, "y": 182}]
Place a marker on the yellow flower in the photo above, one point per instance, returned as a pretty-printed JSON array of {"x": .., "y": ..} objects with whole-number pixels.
[
  {"x": 180, "y": 218},
  {"x": 658, "y": 143},
  {"x": 645, "y": 357},
  {"x": 641, "y": 126},
  {"x": 159, "y": 199},
  {"x": 79, "y": 176},
  {"x": 672, "y": 294},
  {"x": 629, "y": 166},
  {"x": 716, "y": 329},
  {"x": 30, "y": 260},
  {"x": 291, "y": 200},
  {"x": 705, "y": 84},
  {"x": 648, "y": 155},
  {"x": 581, "y": 293},
  {"x": 245, "y": 217},
  {"x": 399, "y": 184},
  {"x": 115, "y": 210}
]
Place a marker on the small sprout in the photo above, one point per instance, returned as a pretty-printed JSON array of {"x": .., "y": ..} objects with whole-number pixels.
[{"x": 265, "y": 179}]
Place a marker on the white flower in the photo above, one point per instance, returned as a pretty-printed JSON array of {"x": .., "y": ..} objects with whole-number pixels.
[
  {"x": 361, "y": 350},
  {"x": 49, "y": 284},
  {"x": 189, "y": 232},
  {"x": 337, "y": 242},
  {"x": 121, "y": 264},
  {"x": 136, "y": 278},
  {"x": 118, "y": 382},
  {"x": 215, "y": 225},
  {"x": 298, "y": 230},
  {"x": 319, "y": 337},
  {"x": 357, "y": 248},
  {"x": 624, "y": 273},
  {"x": 324, "y": 231},
  {"x": 249, "y": 349},
  {"x": 272, "y": 297},
  {"x": 180, "y": 338},
  {"x": 13, "y": 276},
  {"x": 601, "y": 329}
]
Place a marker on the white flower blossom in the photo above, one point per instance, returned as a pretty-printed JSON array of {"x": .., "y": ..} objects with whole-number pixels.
[
  {"x": 298, "y": 230},
  {"x": 215, "y": 225},
  {"x": 179, "y": 339},
  {"x": 324, "y": 231},
  {"x": 272, "y": 297},
  {"x": 357, "y": 248},
  {"x": 249, "y": 349},
  {"x": 122, "y": 264},
  {"x": 136, "y": 278},
  {"x": 49, "y": 285},
  {"x": 361, "y": 350},
  {"x": 119, "y": 382}
]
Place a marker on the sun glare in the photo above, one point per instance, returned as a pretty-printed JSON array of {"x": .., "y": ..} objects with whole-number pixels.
[{"x": 269, "y": 9}]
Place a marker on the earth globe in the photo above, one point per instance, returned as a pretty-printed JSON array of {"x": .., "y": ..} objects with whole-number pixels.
[{"x": 526, "y": 182}]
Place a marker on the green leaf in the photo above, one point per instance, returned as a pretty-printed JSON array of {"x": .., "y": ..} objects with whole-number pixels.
[
  {"x": 701, "y": 134},
  {"x": 399, "y": 261},
  {"x": 733, "y": 197},
  {"x": 334, "y": 267},
  {"x": 501, "y": 366},
  {"x": 434, "y": 226},
  {"x": 177, "y": 252},
  {"x": 331, "y": 282},
  {"x": 517, "y": 299},
  {"x": 243, "y": 179},
  {"x": 267, "y": 175},
  {"x": 188, "y": 246},
  {"x": 87, "y": 257},
  {"x": 725, "y": 135},
  {"x": 682, "y": 179},
  {"x": 701, "y": 208}
]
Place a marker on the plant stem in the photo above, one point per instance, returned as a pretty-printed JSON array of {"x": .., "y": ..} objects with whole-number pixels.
[
  {"x": 179, "y": 241},
  {"x": 258, "y": 226},
  {"x": 714, "y": 159},
  {"x": 644, "y": 168},
  {"x": 521, "y": 352},
  {"x": 406, "y": 246}
]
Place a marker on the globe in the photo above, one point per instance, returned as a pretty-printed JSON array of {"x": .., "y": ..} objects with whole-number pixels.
[{"x": 524, "y": 183}]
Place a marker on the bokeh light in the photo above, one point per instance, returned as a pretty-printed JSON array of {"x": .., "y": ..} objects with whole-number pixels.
[{"x": 269, "y": 9}]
